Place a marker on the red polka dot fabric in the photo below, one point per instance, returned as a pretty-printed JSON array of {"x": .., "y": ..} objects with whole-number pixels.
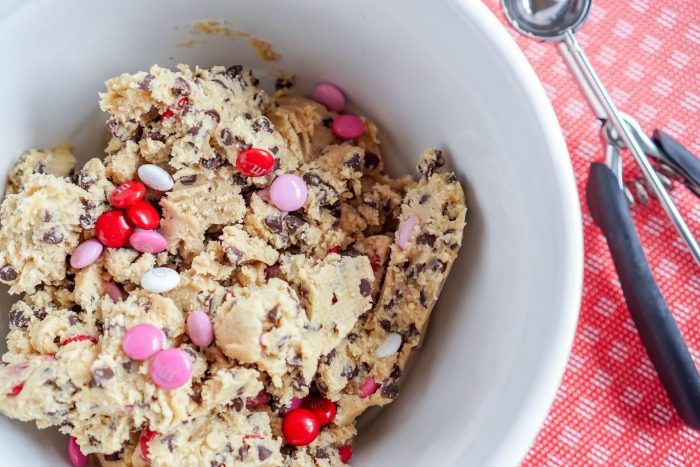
[{"x": 611, "y": 409}]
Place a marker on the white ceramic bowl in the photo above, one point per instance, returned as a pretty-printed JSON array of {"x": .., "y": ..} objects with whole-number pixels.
[{"x": 441, "y": 74}]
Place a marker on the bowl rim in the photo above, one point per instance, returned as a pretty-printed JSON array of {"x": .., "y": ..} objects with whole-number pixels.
[{"x": 528, "y": 422}]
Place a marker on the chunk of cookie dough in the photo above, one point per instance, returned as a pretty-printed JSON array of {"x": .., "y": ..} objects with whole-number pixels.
[
  {"x": 59, "y": 161},
  {"x": 40, "y": 227}
]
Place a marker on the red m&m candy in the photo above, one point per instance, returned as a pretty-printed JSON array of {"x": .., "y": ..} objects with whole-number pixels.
[
  {"x": 322, "y": 408},
  {"x": 127, "y": 194},
  {"x": 112, "y": 229},
  {"x": 345, "y": 453},
  {"x": 255, "y": 162},
  {"x": 146, "y": 436},
  {"x": 300, "y": 427},
  {"x": 142, "y": 214}
]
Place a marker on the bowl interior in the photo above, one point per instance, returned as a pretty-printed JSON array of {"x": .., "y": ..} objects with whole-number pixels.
[{"x": 432, "y": 75}]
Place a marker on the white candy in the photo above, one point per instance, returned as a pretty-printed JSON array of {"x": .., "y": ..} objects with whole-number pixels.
[
  {"x": 155, "y": 177},
  {"x": 159, "y": 280},
  {"x": 390, "y": 346}
]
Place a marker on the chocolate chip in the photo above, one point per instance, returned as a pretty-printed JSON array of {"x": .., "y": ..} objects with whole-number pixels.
[
  {"x": 188, "y": 179},
  {"x": 53, "y": 236},
  {"x": 213, "y": 114},
  {"x": 452, "y": 178},
  {"x": 438, "y": 266},
  {"x": 47, "y": 216},
  {"x": 145, "y": 83},
  {"x": 73, "y": 319},
  {"x": 352, "y": 337},
  {"x": 262, "y": 124},
  {"x": 99, "y": 324},
  {"x": 428, "y": 168},
  {"x": 273, "y": 314},
  {"x": 237, "y": 404},
  {"x": 295, "y": 360},
  {"x": 390, "y": 390},
  {"x": 115, "y": 456},
  {"x": 234, "y": 255},
  {"x": 194, "y": 130},
  {"x": 254, "y": 81},
  {"x": 39, "y": 313},
  {"x": 365, "y": 287},
  {"x": 87, "y": 221},
  {"x": 354, "y": 163},
  {"x": 312, "y": 179},
  {"x": 169, "y": 440},
  {"x": 8, "y": 273},
  {"x": 114, "y": 128},
  {"x": 220, "y": 83},
  {"x": 234, "y": 71},
  {"x": 281, "y": 83},
  {"x": 330, "y": 357},
  {"x": 395, "y": 372},
  {"x": 371, "y": 160},
  {"x": 241, "y": 143},
  {"x": 321, "y": 453},
  {"x": 385, "y": 324},
  {"x": 327, "y": 122},
  {"x": 248, "y": 116},
  {"x": 426, "y": 239},
  {"x": 100, "y": 375},
  {"x": 288, "y": 450},
  {"x": 213, "y": 163},
  {"x": 181, "y": 88},
  {"x": 422, "y": 299},
  {"x": 127, "y": 365},
  {"x": 93, "y": 441},
  {"x": 226, "y": 137},
  {"x": 274, "y": 223},
  {"x": 263, "y": 452},
  {"x": 18, "y": 319},
  {"x": 424, "y": 199},
  {"x": 293, "y": 222}
]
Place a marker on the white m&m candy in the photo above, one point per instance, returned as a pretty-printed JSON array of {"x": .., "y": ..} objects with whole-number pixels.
[
  {"x": 155, "y": 177},
  {"x": 160, "y": 280}
]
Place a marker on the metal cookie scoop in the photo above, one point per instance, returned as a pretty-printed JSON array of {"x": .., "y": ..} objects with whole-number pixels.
[{"x": 556, "y": 21}]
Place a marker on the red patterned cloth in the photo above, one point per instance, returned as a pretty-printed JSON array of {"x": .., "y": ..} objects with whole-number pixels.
[{"x": 611, "y": 408}]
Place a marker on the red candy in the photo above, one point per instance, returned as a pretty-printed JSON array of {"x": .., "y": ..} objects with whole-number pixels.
[
  {"x": 334, "y": 249},
  {"x": 142, "y": 214},
  {"x": 345, "y": 453},
  {"x": 255, "y": 162},
  {"x": 15, "y": 390},
  {"x": 146, "y": 436},
  {"x": 79, "y": 339},
  {"x": 322, "y": 408},
  {"x": 374, "y": 261},
  {"x": 112, "y": 229},
  {"x": 167, "y": 114},
  {"x": 127, "y": 194},
  {"x": 181, "y": 103},
  {"x": 300, "y": 427}
]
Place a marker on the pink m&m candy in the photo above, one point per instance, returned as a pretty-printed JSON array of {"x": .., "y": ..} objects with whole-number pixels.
[
  {"x": 288, "y": 192},
  {"x": 76, "y": 456},
  {"x": 330, "y": 96},
  {"x": 86, "y": 253},
  {"x": 348, "y": 126},
  {"x": 200, "y": 329},
  {"x": 405, "y": 229},
  {"x": 148, "y": 241},
  {"x": 171, "y": 368},
  {"x": 113, "y": 290},
  {"x": 142, "y": 341}
]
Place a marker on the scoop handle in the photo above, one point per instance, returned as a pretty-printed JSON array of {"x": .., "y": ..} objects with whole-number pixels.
[
  {"x": 652, "y": 316},
  {"x": 680, "y": 157}
]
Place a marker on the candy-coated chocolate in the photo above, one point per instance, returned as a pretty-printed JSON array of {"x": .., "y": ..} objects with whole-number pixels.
[
  {"x": 329, "y": 95},
  {"x": 155, "y": 177},
  {"x": 160, "y": 280},
  {"x": 171, "y": 369},
  {"x": 348, "y": 126},
  {"x": 148, "y": 241},
  {"x": 86, "y": 253},
  {"x": 112, "y": 229},
  {"x": 288, "y": 192},
  {"x": 300, "y": 427},
  {"x": 75, "y": 455},
  {"x": 142, "y": 214},
  {"x": 142, "y": 341},
  {"x": 127, "y": 194},
  {"x": 200, "y": 329},
  {"x": 255, "y": 162}
]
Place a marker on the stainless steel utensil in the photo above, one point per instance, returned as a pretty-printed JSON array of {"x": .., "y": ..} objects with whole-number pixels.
[{"x": 556, "y": 21}]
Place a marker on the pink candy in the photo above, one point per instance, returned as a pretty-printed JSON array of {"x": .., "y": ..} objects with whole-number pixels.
[
  {"x": 148, "y": 241},
  {"x": 200, "y": 329},
  {"x": 171, "y": 369},
  {"x": 142, "y": 341},
  {"x": 405, "y": 229},
  {"x": 86, "y": 253},
  {"x": 76, "y": 456},
  {"x": 113, "y": 291},
  {"x": 348, "y": 126},
  {"x": 368, "y": 387},
  {"x": 330, "y": 96},
  {"x": 288, "y": 192}
]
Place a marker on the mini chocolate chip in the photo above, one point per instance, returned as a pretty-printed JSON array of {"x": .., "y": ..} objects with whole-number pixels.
[
  {"x": 390, "y": 390},
  {"x": 281, "y": 83},
  {"x": 99, "y": 324},
  {"x": 423, "y": 300},
  {"x": 226, "y": 137},
  {"x": 73, "y": 319},
  {"x": 114, "y": 128},
  {"x": 293, "y": 222},
  {"x": 234, "y": 71},
  {"x": 327, "y": 122},
  {"x": 321, "y": 453},
  {"x": 87, "y": 221},
  {"x": 145, "y": 83},
  {"x": 194, "y": 130},
  {"x": 181, "y": 88},
  {"x": 288, "y": 450},
  {"x": 115, "y": 456},
  {"x": 273, "y": 314},
  {"x": 371, "y": 160},
  {"x": 220, "y": 83},
  {"x": 426, "y": 239},
  {"x": 385, "y": 324},
  {"x": 274, "y": 223},
  {"x": 295, "y": 360},
  {"x": 424, "y": 199},
  {"x": 254, "y": 81},
  {"x": 395, "y": 372},
  {"x": 237, "y": 404},
  {"x": 438, "y": 266},
  {"x": 234, "y": 255},
  {"x": 352, "y": 337},
  {"x": 248, "y": 116},
  {"x": 39, "y": 313},
  {"x": 262, "y": 124},
  {"x": 8, "y": 273},
  {"x": 452, "y": 178},
  {"x": 263, "y": 452},
  {"x": 312, "y": 179},
  {"x": 126, "y": 365},
  {"x": 47, "y": 216},
  {"x": 330, "y": 357},
  {"x": 241, "y": 143},
  {"x": 213, "y": 163},
  {"x": 100, "y": 375},
  {"x": 156, "y": 136},
  {"x": 188, "y": 179},
  {"x": 354, "y": 163},
  {"x": 93, "y": 441},
  {"x": 53, "y": 236},
  {"x": 365, "y": 287},
  {"x": 274, "y": 150},
  {"x": 213, "y": 114},
  {"x": 18, "y": 319},
  {"x": 169, "y": 441}
]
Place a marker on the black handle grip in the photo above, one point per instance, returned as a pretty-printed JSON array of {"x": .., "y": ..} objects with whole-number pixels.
[
  {"x": 681, "y": 157},
  {"x": 657, "y": 328}
]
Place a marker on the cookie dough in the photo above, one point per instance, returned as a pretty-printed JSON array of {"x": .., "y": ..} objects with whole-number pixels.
[{"x": 326, "y": 301}]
